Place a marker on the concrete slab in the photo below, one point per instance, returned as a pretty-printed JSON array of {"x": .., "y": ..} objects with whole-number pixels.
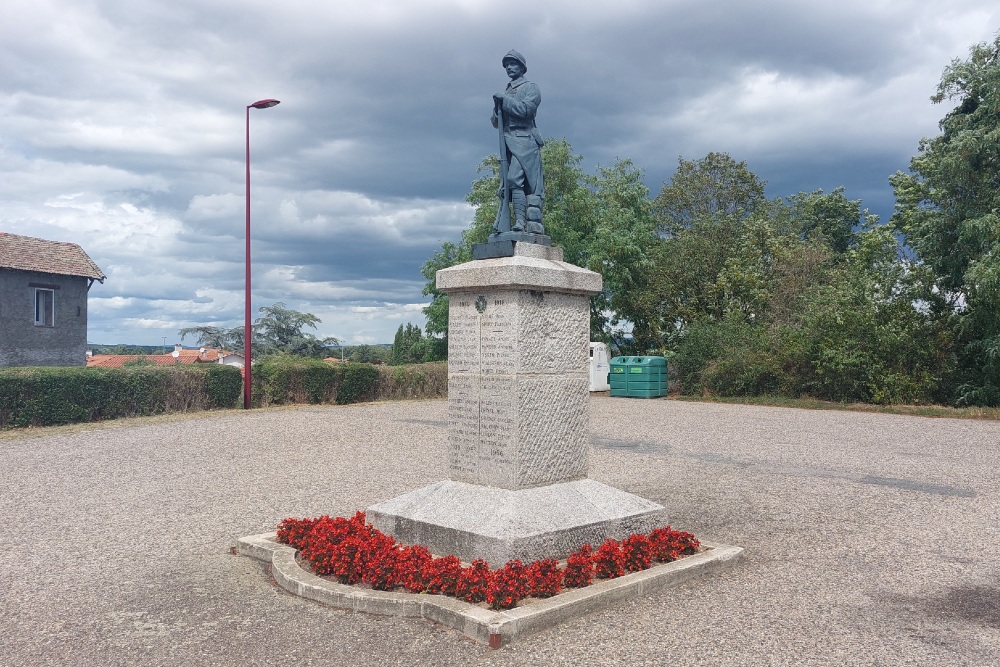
[{"x": 494, "y": 628}]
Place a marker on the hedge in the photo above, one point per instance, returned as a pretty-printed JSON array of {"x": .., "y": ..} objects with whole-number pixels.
[
  {"x": 49, "y": 396},
  {"x": 282, "y": 380},
  {"x": 428, "y": 380}
]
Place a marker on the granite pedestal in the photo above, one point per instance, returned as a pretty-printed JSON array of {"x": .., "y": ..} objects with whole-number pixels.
[{"x": 518, "y": 396}]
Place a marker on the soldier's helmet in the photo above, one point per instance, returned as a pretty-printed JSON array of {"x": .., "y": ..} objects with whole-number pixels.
[{"x": 514, "y": 55}]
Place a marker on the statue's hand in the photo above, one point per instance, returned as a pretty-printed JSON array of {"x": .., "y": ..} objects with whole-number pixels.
[{"x": 498, "y": 98}]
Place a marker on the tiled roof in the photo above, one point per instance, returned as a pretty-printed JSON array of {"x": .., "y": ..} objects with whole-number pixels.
[
  {"x": 30, "y": 254},
  {"x": 184, "y": 357}
]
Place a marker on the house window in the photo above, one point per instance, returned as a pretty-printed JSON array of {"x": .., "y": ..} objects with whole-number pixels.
[{"x": 45, "y": 307}]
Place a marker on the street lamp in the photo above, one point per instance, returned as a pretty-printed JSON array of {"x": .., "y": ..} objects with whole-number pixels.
[{"x": 262, "y": 104}]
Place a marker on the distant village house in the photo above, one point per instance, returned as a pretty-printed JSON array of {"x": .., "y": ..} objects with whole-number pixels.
[{"x": 43, "y": 301}]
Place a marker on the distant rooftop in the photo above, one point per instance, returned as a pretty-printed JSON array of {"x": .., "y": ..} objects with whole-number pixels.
[
  {"x": 26, "y": 253},
  {"x": 201, "y": 356}
]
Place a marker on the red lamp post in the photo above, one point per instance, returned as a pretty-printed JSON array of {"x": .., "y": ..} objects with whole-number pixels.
[{"x": 262, "y": 104}]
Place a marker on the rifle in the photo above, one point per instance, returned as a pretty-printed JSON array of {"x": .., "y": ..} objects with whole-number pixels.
[{"x": 502, "y": 223}]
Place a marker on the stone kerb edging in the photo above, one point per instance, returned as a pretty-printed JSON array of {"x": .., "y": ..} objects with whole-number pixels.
[{"x": 483, "y": 625}]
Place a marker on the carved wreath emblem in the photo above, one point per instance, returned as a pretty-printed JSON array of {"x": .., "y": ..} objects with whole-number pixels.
[{"x": 481, "y": 304}]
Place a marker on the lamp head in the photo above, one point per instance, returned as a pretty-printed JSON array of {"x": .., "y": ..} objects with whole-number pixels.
[{"x": 265, "y": 104}]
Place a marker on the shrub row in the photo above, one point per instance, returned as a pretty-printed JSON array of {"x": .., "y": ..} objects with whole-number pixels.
[
  {"x": 731, "y": 357},
  {"x": 281, "y": 380},
  {"x": 428, "y": 380},
  {"x": 354, "y": 552},
  {"x": 50, "y": 396}
]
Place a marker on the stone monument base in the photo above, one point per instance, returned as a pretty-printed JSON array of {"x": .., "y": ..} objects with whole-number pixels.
[
  {"x": 472, "y": 521},
  {"x": 503, "y": 244}
]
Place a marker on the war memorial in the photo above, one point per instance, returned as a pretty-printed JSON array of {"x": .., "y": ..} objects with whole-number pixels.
[{"x": 517, "y": 483}]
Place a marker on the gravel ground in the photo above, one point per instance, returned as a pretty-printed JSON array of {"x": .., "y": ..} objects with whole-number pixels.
[{"x": 870, "y": 539}]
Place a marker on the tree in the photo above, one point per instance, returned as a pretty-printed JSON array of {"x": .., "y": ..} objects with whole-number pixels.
[
  {"x": 701, "y": 214},
  {"x": 370, "y": 354},
  {"x": 619, "y": 242},
  {"x": 408, "y": 347},
  {"x": 829, "y": 218},
  {"x": 802, "y": 318},
  {"x": 562, "y": 208},
  {"x": 948, "y": 208},
  {"x": 437, "y": 310},
  {"x": 483, "y": 197},
  {"x": 216, "y": 338},
  {"x": 278, "y": 331},
  {"x": 713, "y": 190},
  {"x": 860, "y": 333}
]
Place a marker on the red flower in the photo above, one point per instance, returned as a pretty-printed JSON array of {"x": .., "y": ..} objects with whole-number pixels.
[
  {"x": 638, "y": 552},
  {"x": 354, "y": 551},
  {"x": 347, "y": 560},
  {"x": 293, "y": 531},
  {"x": 441, "y": 574},
  {"x": 474, "y": 582},
  {"x": 508, "y": 586},
  {"x": 544, "y": 578},
  {"x": 319, "y": 544},
  {"x": 380, "y": 562},
  {"x": 579, "y": 570},
  {"x": 412, "y": 562},
  {"x": 669, "y": 545},
  {"x": 609, "y": 560}
]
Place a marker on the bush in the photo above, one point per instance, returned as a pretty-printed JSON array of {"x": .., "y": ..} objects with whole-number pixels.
[
  {"x": 736, "y": 358},
  {"x": 413, "y": 381},
  {"x": 282, "y": 379},
  {"x": 47, "y": 396},
  {"x": 508, "y": 585},
  {"x": 52, "y": 396},
  {"x": 638, "y": 552},
  {"x": 474, "y": 582},
  {"x": 360, "y": 384},
  {"x": 223, "y": 385},
  {"x": 668, "y": 545}
]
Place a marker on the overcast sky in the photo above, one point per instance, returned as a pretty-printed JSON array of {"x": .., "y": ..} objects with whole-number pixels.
[{"x": 122, "y": 128}]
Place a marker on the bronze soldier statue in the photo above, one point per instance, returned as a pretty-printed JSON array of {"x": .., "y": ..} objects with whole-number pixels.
[{"x": 520, "y": 151}]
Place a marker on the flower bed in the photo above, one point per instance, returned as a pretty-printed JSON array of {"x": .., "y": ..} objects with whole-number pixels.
[{"x": 353, "y": 551}]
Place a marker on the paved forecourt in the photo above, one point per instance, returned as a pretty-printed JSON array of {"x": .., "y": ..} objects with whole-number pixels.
[{"x": 869, "y": 539}]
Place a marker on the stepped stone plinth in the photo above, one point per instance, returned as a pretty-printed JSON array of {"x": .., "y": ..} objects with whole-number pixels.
[{"x": 518, "y": 340}]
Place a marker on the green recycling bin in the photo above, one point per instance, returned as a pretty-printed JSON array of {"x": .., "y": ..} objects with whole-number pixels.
[{"x": 638, "y": 377}]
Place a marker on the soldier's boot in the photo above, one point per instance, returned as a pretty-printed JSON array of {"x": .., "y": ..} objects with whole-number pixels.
[
  {"x": 534, "y": 225},
  {"x": 519, "y": 204}
]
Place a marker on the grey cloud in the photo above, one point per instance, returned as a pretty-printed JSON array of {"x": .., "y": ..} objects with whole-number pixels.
[{"x": 122, "y": 128}]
